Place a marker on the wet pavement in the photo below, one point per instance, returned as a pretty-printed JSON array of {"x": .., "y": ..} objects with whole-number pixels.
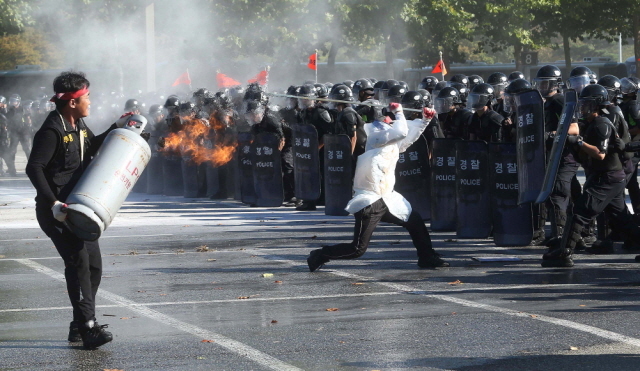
[{"x": 216, "y": 285}]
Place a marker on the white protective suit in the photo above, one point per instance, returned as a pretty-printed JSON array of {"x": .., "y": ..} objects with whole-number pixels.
[{"x": 375, "y": 170}]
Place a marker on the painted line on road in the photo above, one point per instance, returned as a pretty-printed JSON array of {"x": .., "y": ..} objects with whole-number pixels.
[
  {"x": 234, "y": 346},
  {"x": 102, "y": 237},
  {"x": 609, "y": 335},
  {"x": 219, "y": 301}
]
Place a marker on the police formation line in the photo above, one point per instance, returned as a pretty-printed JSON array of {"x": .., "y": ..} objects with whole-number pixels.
[{"x": 481, "y": 159}]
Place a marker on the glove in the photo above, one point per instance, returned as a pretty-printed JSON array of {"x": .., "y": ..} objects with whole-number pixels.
[
  {"x": 395, "y": 108},
  {"x": 123, "y": 119},
  {"x": 549, "y": 135},
  {"x": 59, "y": 210},
  {"x": 428, "y": 114},
  {"x": 573, "y": 139},
  {"x": 617, "y": 144}
]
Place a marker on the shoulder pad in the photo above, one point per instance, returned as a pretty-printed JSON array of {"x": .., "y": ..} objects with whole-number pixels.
[
  {"x": 603, "y": 127},
  {"x": 496, "y": 117},
  {"x": 324, "y": 114}
]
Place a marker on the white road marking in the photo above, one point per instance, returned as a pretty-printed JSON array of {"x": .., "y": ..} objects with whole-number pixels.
[
  {"x": 219, "y": 301},
  {"x": 609, "y": 335},
  {"x": 101, "y": 238},
  {"x": 232, "y": 345}
]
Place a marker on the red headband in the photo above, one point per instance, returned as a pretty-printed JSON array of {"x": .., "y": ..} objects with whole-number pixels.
[{"x": 70, "y": 95}]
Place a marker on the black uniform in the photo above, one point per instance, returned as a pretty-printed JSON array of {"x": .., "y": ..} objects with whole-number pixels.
[
  {"x": 602, "y": 192},
  {"x": 454, "y": 124},
  {"x": 20, "y": 133},
  {"x": 487, "y": 127},
  {"x": 632, "y": 118},
  {"x": 289, "y": 118},
  {"x": 54, "y": 167},
  {"x": 321, "y": 119}
]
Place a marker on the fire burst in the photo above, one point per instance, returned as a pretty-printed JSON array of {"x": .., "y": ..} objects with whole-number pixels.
[{"x": 194, "y": 141}]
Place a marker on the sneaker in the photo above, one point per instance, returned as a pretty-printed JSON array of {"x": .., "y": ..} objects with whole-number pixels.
[
  {"x": 589, "y": 239},
  {"x": 431, "y": 261},
  {"x": 538, "y": 239},
  {"x": 74, "y": 332},
  {"x": 601, "y": 247},
  {"x": 94, "y": 335},
  {"x": 316, "y": 260}
]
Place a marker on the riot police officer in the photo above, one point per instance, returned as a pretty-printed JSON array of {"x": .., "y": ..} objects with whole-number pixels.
[
  {"x": 428, "y": 83},
  {"x": 599, "y": 153},
  {"x": 631, "y": 113},
  {"x": 347, "y": 119},
  {"x": 319, "y": 118},
  {"x": 19, "y": 130},
  {"x": 5, "y": 139},
  {"x": 452, "y": 114},
  {"x": 485, "y": 124}
]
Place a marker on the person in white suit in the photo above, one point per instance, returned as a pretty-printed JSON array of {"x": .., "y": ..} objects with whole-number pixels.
[{"x": 374, "y": 198}]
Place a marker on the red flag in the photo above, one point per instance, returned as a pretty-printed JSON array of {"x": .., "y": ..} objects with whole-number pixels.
[
  {"x": 260, "y": 78},
  {"x": 440, "y": 68},
  {"x": 183, "y": 79},
  {"x": 312, "y": 62},
  {"x": 225, "y": 81}
]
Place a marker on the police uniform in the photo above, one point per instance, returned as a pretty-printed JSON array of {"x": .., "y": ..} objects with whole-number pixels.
[
  {"x": 487, "y": 127},
  {"x": 632, "y": 117},
  {"x": 5, "y": 141},
  {"x": 55, "y": 166},
  {"x": 602, "y": 192},
  {"x": 454, "y": 125}
]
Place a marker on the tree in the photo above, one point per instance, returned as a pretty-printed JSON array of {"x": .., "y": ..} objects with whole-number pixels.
[
  {"x": 27, "y": 47},
  {"x": 15, "y": 15}
]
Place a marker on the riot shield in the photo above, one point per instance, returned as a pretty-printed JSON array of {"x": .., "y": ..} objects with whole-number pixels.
[
  {"x": 189, "y": 177},
  {"x": 267, "y": 171},
  {"x": 172, "y": 173},
  {"x": 245, "y": 168},
  {"x": 443, "y": 185},
  {"x": 570, "y": 102},
  {"x": 531, "y": 146},
  {"x": 154, "y": 179},
  {"x": 338, "y": 174},
  {"x": 473, "y": 209},
  {"x": 512, "y": 223},
  {"x": 306, "y": 162},
  {"x": 413, "y": 177}
]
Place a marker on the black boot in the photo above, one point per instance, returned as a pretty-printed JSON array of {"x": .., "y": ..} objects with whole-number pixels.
[
  {"x": 560, "y": 254},
  {"x": 316, "y": 260},
  {"x": 74, "y": 332}
]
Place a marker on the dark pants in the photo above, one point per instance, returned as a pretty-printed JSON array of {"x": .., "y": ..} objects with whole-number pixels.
[
  {"x": 367, "y": 220},
  {"x": 605, "y": 192},
  {"x": 82, "y": 262},
  {"x": 288, "y": 177},
  {"x": 561, "y": 196}
]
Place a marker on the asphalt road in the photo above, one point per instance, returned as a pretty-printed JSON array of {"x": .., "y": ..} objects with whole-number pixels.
[{"x": 215, "y": 285}]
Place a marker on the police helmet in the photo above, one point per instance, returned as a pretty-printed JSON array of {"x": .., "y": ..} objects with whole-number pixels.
[
  {"x": 131, "y": 105},
  {"x": 516, "y": 86},
  {"x": 515, "y": 75},
  {"x": 349, "y": 83},
  {"x": 428, "y": 83},
  {"x": 474, "y": 80},
  {"x": 612, "y": 84},
  {"x": 321, "y": 90},
  {"x": 447, "y": 98},
  {"x": 548, "y": 80},
  {"x": 412, "y": 99},
  {"x": 172, "y": 102},
  {"x": 362, "y": 85},
  {"x": 481, "y": 96},
  {"x": 462, "y": 79},
  {"x": 579, "y": 77},
  {"x": 395, "y": 93},
  {"x": 341, "y": 92},
  {"x": 462, "y": 89},
  {"x": 628, "y": 85}
]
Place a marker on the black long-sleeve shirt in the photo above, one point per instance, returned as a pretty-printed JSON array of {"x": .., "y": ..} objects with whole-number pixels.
[{"x": 55, "y": 164}]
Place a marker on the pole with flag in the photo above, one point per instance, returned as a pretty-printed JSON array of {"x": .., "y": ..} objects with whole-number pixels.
[
  {"x": 313, "y": 63},
  {"x": 439, "y": 67},
  {"x": 183, "y": 79}
]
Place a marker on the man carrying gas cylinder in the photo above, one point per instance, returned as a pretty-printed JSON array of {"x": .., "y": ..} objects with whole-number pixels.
[{"x": 62, "y": 149}]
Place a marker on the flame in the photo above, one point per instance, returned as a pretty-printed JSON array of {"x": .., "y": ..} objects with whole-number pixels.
[{"x": 192, "y": 141}]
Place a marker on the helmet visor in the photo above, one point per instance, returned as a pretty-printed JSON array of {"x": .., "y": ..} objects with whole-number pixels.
[
  {"x": 628, "y": 87},
  {"x": 305, "y": 103},
  {"x": 578, "y": 83},
  {"x": 477, "y": 101},
  {"x": 545, "y": 87},
  {"x": 443, "y": 105},
  {"x": 586, "y": 107},
  {"x": 509, "y": 103},
  {"x": 498, "y": 90}
]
